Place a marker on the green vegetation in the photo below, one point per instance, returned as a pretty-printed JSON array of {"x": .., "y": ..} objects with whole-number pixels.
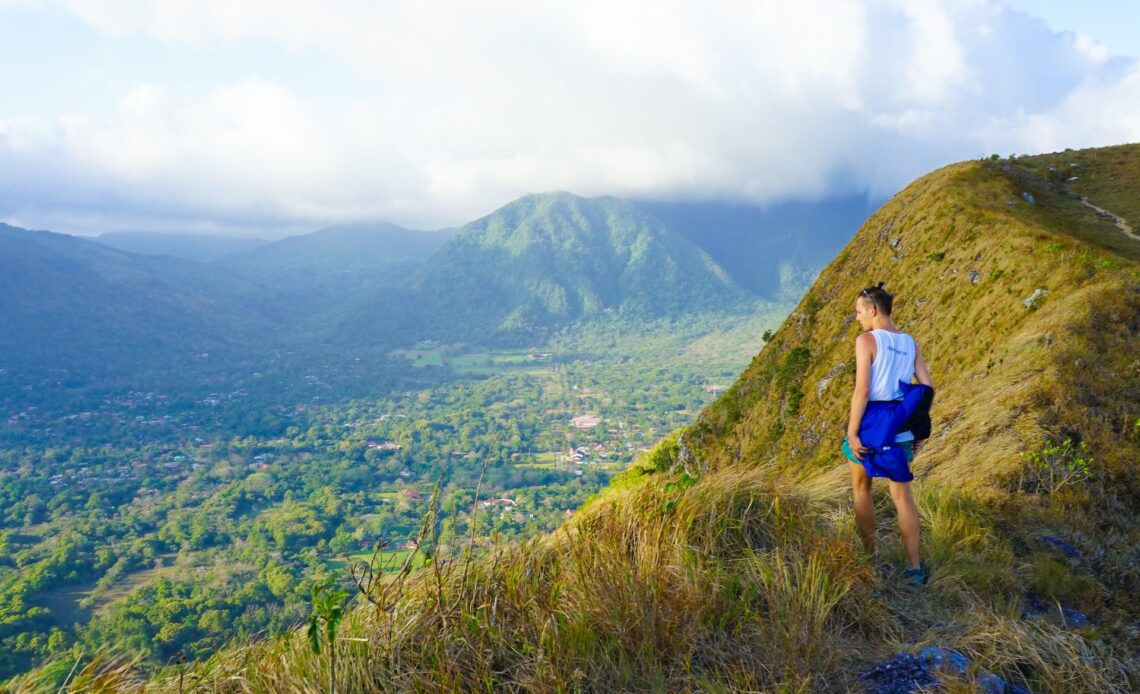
[
  {"x": 328, "y": 611},
  {"x": 1053, "y": 467},
  {"x": 726, "y": 559},
  {"x": 420, "y": 358},
  {"x": 168, "y": 522},
  {"x": 544, "y": 262}
]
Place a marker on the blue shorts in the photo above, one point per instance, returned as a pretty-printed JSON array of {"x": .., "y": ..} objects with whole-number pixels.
[{"x": 907, "y": 446}]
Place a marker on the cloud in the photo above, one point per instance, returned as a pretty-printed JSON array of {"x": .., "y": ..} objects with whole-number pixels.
[
  {"x": 1099, "y": 111},
  {"x": 451, "y": 109}
]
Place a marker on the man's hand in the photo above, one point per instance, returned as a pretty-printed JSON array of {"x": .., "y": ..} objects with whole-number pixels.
[{"x": 857, "y": 446}]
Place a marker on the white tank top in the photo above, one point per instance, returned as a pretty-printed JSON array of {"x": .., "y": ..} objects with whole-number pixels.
[{"x": 894, "y": 362}]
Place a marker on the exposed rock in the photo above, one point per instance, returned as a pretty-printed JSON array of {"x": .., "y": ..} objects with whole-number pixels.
[
  {"x": 903, "y": 674},
  {"x": 906, "y": 673},
  {"x": 685, "y": 455},
  {"x": 951, "y": 662},
  {"x": 798, "y": 321},
  {"x": 1028, "y": 197},
  {"x": 1035, "y": 298},
  {"x": 823, "y": 382},
  {"x": 974, "y": 276},
  {"x": 1070, "y": 552},
  {"x": 885, "y": 230},
  {"x": 1036, "y": 606},
  {"x": 1073, "y": 618}
]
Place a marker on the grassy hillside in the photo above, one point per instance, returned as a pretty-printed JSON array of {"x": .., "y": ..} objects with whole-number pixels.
[
  {"x": 963, "y": 249},
  {"x": 726, "y": 559}
]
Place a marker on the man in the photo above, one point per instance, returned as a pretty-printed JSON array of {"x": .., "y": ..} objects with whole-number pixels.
[{"x": 886, "y": 361}]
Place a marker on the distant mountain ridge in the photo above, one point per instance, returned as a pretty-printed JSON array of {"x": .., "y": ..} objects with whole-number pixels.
[
  {"x": 201, "y": 248},
  {"x": 529, "y": 268},
  {"x": 327, "y": 272},
  {"x": 773, "y": 251},
  {"x": 71, "y": 303},
  {"x": 350, "y": 249},
  {"x": 550, "y": 259}
]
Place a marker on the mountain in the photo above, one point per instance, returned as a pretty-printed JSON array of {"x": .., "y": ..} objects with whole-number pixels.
[
  {"x": 202, "y": 248},
  {"x": 353, "y": 251},
  {"x": 92, "y": 310},
  {"x": 323, "y": 274},
  {"x": 72, "y": 304},
  {"x": 548, "y": 260},
  {"x": 774, "y": 251},
  {"x": 726, "y": 558},
  {"x": 537, "y": 264}
]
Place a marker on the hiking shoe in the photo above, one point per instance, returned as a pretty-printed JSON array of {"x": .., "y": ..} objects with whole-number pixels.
[{"x": 916, "y": 577}]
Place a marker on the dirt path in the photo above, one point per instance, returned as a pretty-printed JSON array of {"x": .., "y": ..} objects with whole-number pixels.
[{"x": 1120, "y": 222}]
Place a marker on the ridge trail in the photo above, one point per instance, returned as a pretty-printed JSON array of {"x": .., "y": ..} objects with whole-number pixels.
[{"x": 1120, "y": 222}]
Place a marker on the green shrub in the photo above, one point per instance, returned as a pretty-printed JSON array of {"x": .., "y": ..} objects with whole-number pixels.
[{"x": 1053, "y": 467}]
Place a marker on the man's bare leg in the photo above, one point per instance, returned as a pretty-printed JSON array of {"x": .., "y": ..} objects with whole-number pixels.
[
  {"x": 864, "y": 508},
  {"x": 908, "y": 520}
]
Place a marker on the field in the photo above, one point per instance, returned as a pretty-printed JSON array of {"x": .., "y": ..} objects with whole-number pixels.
[
  {"x": 486, "y": 363},
  {"x": 477, "y": 364},
  {"x": 421, "y": 357},
  {"x": 66, "y": 603}
]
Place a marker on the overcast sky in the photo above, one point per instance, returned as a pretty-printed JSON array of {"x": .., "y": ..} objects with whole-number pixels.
[{"x": 266, "y": 117}]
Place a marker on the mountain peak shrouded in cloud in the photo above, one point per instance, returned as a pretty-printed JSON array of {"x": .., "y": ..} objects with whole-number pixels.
[{"x": 305, "y": 116}]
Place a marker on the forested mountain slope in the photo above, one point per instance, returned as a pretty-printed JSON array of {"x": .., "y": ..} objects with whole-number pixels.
[
  {"x": 323, "y": 274},
  {"x": 545, "y": 261},
  {"x": 352, "y": 251},
  {"x": 726, "y": 559},
  {"x": 773, "y": 251},
  {"x": 77, "y": 306}
]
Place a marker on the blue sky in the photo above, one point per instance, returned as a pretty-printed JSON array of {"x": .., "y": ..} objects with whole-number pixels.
[
  {"x": 266, "y": 118},
  {"x": 1112, "y": 23}
]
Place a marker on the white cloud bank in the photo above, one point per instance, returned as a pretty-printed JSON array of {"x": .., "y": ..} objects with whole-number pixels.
[{"x": 455, "y": 108}]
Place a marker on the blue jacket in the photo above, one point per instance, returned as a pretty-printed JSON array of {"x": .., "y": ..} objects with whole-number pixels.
[{"x": 882, "y": 421}]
